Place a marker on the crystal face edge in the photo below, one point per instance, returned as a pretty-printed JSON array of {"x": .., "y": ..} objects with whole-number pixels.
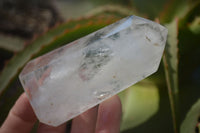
[{"x": 95, "y": 52}]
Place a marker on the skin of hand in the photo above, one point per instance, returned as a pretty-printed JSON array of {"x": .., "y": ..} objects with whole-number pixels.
[{"x": 104, "y": 118}]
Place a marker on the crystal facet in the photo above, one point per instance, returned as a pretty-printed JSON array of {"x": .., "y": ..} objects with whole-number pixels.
[{"x": 69, "y": 80}]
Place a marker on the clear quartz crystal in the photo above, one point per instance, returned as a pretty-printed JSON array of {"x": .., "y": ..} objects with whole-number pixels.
[{"x": 69, "y": 80}]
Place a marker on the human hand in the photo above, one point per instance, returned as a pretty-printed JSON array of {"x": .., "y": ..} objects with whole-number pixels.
[{"x": 102, "y": 119}]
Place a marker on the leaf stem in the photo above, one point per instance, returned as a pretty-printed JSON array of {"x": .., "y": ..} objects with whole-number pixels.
[{"x": 171, "y": 98}]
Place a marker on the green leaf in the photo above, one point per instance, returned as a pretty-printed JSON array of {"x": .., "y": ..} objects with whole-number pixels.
[
  {"x": 139, "y": 103},
  {"x": 177, "y": 9},
  {"x": 171, "y": 9},
  {"x": 118, "y": 10},
  {"x": 195, "y": 25},
  {"x": 150, "y": 9},
  {"x": 192, "y": 120},
  {"x": 171, "y": 56},
  {"x": 190, "y": 14},
  {"x": 170, "y": 60}
]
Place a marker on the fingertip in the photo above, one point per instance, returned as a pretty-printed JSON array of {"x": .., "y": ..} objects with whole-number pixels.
[
  {"x": 23, "y": 109},
  {"x": 43, "y": 128},
  {"x": 109, "y": 116},
  {"x": 86, "y": 122},
  {"x": 21, "y": 117}
]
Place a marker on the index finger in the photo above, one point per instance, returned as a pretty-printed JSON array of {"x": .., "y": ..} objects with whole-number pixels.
[{"x": 21, "y": 117}]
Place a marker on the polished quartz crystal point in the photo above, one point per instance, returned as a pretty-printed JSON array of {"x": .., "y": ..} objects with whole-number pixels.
[{"x": 69, "y": 80}]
